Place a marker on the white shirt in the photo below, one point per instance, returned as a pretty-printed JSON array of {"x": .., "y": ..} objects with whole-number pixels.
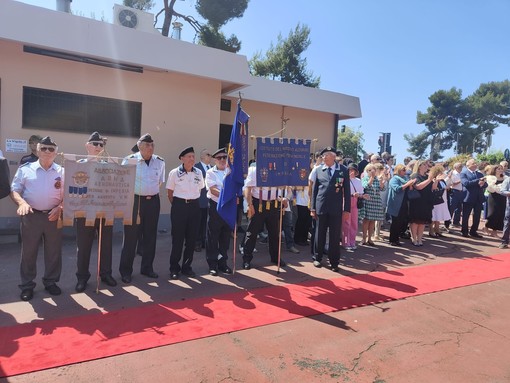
[
  {"x": 455, "y": 181},
  {"x": 214, "y": 177},
  {"x": 148, "y": 177},
  {"x": 185, "y": 185},
  {"x": 42, "y": 189},
  {"x": 302, "y": 198},
  {"x": 263, "y": 193}
]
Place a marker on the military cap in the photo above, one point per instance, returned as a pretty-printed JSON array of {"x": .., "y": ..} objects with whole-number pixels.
[
  {"x": 339, "y": 152},
  {"x": 146, "y": 138},
  {"x": 96, "y": 137},
  {"x": 135, "y": 149},
  {"x": 328, "y": 149},
  {"x": 35, "y": 138},
  {"x": 189, "y": 149},
  {"x": 48, "y": 141},
  {"x": 219, "y": 151}
]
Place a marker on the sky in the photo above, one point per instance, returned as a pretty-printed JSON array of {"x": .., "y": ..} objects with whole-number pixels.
[{"x": 392, "y": 54}]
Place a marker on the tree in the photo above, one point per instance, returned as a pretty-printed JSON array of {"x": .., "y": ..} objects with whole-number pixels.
[
  {"x": 350, "y": 142},
  {"x": 216, "y": 12},
  {"x": 143, "y": 5},
  {"x": 283, "y": 62},
  {"x": 466, "y": 124}
]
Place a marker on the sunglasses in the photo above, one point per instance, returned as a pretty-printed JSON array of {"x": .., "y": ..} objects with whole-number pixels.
[
  {"x": 221, "y": 157},
  {"x": 50, "y": 149},
  {"x": 97, "y": 144}
]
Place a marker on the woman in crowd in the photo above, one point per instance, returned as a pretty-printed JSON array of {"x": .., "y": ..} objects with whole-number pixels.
[
  {"x": 350, "y": 224},
  {"x": 420, "y": 209},
  {"x": 496, "y": 203},
  {"x": 372, "y": 210},
  {"x": 440, "y": 211},
  {"x": 398, "y": 207},
  {"x": 383, "y": 175}
]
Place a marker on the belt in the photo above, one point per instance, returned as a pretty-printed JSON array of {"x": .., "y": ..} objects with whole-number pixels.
[
  {"x": 147, "y": 196},
  {"x": 186, "y": 200},
  {"x": 41, "y": 211}
]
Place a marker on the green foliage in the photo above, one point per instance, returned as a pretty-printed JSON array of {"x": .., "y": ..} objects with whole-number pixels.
[
  {"x": 143, "y": 5},
  {"x": 492, "y": 158},
  {"x": 219, "y": 12},
  {"x": 283, "y": 62},
  {"x": 464, "y": 124},
  {"x": 213, "y": 38},
  {"x": 350, "y": 142}
]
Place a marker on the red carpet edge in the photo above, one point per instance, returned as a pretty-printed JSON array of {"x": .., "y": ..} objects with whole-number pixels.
[{"x": 51, "y": 343}]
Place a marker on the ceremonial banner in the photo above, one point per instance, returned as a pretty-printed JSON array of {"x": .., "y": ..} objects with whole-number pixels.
[
  {"x": 237, "y": 168},
  {"x": 98, "y": 190},
  {"x": 282, "y": 162}
]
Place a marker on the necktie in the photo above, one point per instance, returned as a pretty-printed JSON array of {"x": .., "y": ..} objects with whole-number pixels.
[{"x": 330, "y": 172}]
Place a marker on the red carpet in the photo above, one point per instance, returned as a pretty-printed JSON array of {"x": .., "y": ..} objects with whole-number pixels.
[{"x": 52, "y": 343}]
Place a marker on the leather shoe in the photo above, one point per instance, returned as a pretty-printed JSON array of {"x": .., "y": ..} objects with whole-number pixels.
[
  {"x": 475, "y": 235},
  {"x": 174, "y": 276},
  {"x": 81, "y": 286},
  {"x": 53, "y": 289},
  {"x": 335, "y": 269},
  {"x": 151, "y": 274},
  {"x": 246, "y": 266},
  {"x": 213, "y": 272},
  {"x": 465, "y": 235},
  {"x": 395, "y": 243},
  {"x": 126, "y": 278},
  {"x": 225, "y": 270},
  {"x": 317, "y": 264},
  {"x": 108, "y": 279},
  {"x": 189, "y": 273},
  {"x": 27, "y": 294}
]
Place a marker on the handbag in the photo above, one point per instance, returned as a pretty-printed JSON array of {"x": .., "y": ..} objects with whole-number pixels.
[
  {"x": 359, "y": 202},
  {"x": 413, "y": 194}
]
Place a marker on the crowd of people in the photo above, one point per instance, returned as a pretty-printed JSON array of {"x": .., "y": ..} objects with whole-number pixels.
[{"x": 341, "y": 199}]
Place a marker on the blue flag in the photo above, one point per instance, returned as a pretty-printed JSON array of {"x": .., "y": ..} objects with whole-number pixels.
[{"x": 237, "y": 168}]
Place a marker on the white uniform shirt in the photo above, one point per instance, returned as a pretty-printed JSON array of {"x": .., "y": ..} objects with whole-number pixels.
[
  {"x": 302, "y": 197},
  {"x": 42, "y": 189},
  {"x": 455, "y": 181},
  {"x": 264, "y": 193},
  {"x": 148, "y": 177},
  {"x": 185, "y": 185},
  {"x": 214, "y": 177}
]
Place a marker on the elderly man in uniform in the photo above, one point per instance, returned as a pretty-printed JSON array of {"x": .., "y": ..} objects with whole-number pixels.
[
  {"x": 263, "y": 208},
  {"x": 150, "y": 174},
  {"x": 218, "y": 231},
  {"x": 203, "y": 165},
  {"x": 183, "y": 187},
  {"x": 331, "y": 202},
  {"x": 85, "y": 234},
  {"x": 37, "y": 189},
  {"x": 32, "y": 157}
]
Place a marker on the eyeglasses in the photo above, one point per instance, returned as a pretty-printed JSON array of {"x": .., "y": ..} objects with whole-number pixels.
[
  {"x": 50, "y": 149},
  {"x": 221, "y": 157},
  {"x": 97, "y": 144}
]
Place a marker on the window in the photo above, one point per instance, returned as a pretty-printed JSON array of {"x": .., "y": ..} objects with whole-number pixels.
[{"x": 71, "y": 112}]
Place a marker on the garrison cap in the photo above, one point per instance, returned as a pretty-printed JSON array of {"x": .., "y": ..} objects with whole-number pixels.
[
  {"x": 48, "y": 141},
  {"x": 328, "y": 149},
  {"x": 219, "y": 151},
  {"x": 96, "y": 137},
  {"x": 146, "y": 138},
  {"x": 189, "y": 149},
  {"x": 35, "y": 138},
  {"x": 135, "y": 149}
]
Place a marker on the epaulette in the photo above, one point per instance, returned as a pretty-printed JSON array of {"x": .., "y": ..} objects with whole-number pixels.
[
  {"x": 132, "y": 155},
  {"x": 25, "y": 164},
  {"x": 160, "y": 158}
]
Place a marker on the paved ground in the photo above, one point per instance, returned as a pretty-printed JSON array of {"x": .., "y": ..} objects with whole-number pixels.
[{"x": 460, "y": 335}]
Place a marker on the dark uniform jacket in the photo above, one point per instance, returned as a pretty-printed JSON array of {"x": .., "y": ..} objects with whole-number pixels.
[
  {"x": 203, "y": 201},
  {"x": 332, "y": 195},
  {"x": 5, "y": 182}
]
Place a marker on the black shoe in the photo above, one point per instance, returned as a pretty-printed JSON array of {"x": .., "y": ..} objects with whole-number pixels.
[
  {"x": 317, "y": 264},
  {"x": 151, "y": 274},
  {"x": 282, "y": 263},
  {"x": 395, "y": 243},
  {"x": 53, "y": 289},
  {"x": 246, "y": 266},
  {"x": 213, "y": 272},
  {"x": 225, "y": 270},
  {"x": 475, "y": 235},
  {"x": 81, "y": 286},
  {"x": 174, "y": 276},
  {"x": 465, "y": 235},
  {"x": 108, "y": 279},
  {"x": 335, "y": 269},
  {"x": 126, "y": 278},
  {"x": 189, "y": 273},
  {"x": 26, "y": 294}
]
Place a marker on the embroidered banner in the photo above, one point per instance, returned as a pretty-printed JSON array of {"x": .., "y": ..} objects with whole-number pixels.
[
  {"x": 98, "y": 190},
  {"x": 282, "y": 162}
]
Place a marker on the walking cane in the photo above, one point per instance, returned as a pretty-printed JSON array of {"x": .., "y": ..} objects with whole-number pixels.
[{"x": 99, "y": 254}]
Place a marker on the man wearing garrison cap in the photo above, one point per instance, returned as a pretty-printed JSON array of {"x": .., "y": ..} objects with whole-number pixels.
[
  {"x": 150, "y": 174},
  {"x": 85, "y": 234},
  {"x": 183, "y": 188},
  {"x": 32, "y": 157},
  {"x": 331, "y": 200},
  {"x": 37, "y": 189}
]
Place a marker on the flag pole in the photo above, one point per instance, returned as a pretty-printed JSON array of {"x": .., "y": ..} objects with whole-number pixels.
[{"x": 99, "y": 253}]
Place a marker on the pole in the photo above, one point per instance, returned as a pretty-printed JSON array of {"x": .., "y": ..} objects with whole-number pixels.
[
  {"x": 235, "y": 249},
  {"x": 99, "y": 254}
]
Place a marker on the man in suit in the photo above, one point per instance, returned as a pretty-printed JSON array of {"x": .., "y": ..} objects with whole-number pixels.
[
  {"x": 5, "y": 183},
  {"x": 331, "y": 202},
  {"x": 203, "y": 165},
  {"x": 474, "y": 184}
]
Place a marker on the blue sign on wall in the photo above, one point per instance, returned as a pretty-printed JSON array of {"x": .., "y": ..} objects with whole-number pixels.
[{"x": 282, "y": 162}]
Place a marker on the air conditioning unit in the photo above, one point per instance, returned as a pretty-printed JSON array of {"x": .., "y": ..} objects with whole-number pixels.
[{"x": 133, "y": 18}]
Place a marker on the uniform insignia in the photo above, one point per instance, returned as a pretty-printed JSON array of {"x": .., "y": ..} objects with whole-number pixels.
[{"x": 58, "y": 183}]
